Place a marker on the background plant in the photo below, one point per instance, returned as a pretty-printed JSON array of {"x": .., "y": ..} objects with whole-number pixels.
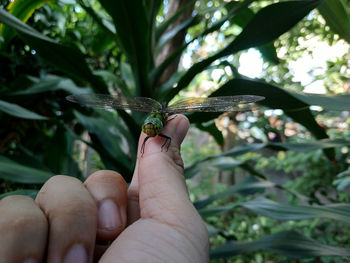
[{"x": 291, "y": 177}]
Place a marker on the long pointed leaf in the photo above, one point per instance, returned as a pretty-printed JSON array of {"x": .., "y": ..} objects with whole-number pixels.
[
  {"x": 15, "y": 172},
  {"x": 164, "y": 26},
  {"x": 170, "y": 34},
  {"x": 215, "y": 160},
  {"x": 278, "y": 98},
  {"x": 51, "y": 83},
  {"x": 268, "y": 208},
  {"x": 337, "y": 17},
  {"x": 249, "y": 184},
  {"x": 133, "y": 29},
  {"x": 18, "y": 111},
  {"x": 287, "y": 243}
]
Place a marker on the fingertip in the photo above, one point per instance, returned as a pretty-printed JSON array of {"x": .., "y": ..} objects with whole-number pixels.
[
  {"x": 103, "y": 182},
  {"x": 109, "y": 190},
  {"x": 170, "y": 137},
  {"x": 182, "y": 127},
  {"x": 23, "y": 228}
]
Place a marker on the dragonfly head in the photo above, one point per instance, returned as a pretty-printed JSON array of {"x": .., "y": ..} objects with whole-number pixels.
[{"x": 152, "y": 126}]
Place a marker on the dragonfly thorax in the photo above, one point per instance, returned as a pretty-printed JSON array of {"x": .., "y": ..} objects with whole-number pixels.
[{"x": 154, "y": 123}]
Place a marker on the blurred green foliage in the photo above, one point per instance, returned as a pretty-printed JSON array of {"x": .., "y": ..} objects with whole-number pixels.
[{"x": 288, "y": 169}]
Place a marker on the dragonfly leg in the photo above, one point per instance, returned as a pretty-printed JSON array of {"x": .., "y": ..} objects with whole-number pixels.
[
  {"x": 143, "y": 145},
  {"x": 167, "y": 140},
  {"x": 172, "y": 118}
]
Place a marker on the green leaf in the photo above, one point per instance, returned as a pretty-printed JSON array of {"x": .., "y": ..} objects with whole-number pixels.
[
  {"x": 18, "y": 111},
  {"x": 101, "y": 42},
  {"x": 128, "y": 77},
  {"x": 310, "y": 146},
  {"x": 21, "y": 9},
  {"x": 28, "y": 192},
  {"x": 15, "y": 172},
  {"x": 338, "y": 102},
  {"x": 234, "y": 9},
  {"x": 268, "y": 208},
  {"x": 51, "y": 83},
  {"x": 270, "y": 23},
  {"x": 103, "y": 21},
  {"x": 170, "y": 34},
  {"x": 212, "y": 130},
  {"x": 164, "y": 26},
  {"x": 248, "y": 185},
  {"x": 269, "y": 52},
  {"x": 57, "y": 156},
  {"x": 216, "y": 161},
  {"x": 279, "y": 98},
  {"x": 110, "y": 138},
  {"x": 67, "y": 59},
  {"x": 337, "y": 17},
  {"x": 110, "y": 77},
  {"x": 106, "y": 37},
  {"x": 287, "y": 243},
  {"x": 297, "y": 147},
  {"x": 343, "y": 180},
  {"x": 210, "y": 163},
  {"x": 157, "y": 72},
  {"x": 267, "y": 25},
  {"x": 134, "y": 32}
]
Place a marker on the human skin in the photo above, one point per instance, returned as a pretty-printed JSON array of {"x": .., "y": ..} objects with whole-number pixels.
[{"x": 101, "y": 219}]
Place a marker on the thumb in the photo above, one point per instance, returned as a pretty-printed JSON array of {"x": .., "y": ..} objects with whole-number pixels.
[{"x": 162, "y": 186}]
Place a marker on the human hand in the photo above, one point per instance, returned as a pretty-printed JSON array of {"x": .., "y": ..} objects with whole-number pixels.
[{"x": 152, "y": 221}]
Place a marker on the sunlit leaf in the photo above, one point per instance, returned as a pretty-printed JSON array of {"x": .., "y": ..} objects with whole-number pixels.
[{"x": 23, "y": 10}]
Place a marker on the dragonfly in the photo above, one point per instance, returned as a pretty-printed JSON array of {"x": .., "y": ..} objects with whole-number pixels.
[{"x": 159, "y": 112}]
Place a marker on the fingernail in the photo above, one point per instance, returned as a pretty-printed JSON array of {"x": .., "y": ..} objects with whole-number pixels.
[
  {"x": 181, "y": 129},
  {"x": 77, "y": 254},
  {"x": 109, "y": 216},
  {"x": 30, "y": 260}
]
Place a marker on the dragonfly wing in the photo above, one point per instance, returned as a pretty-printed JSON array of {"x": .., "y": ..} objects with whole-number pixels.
[
  {"x": 214, "y": 104},
  {"x": 116, "y": 102}
]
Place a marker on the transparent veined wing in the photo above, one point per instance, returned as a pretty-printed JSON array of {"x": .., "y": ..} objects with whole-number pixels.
[
  {"x": 214, "y": 104},
  {"x": 105, "y": 101}
]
